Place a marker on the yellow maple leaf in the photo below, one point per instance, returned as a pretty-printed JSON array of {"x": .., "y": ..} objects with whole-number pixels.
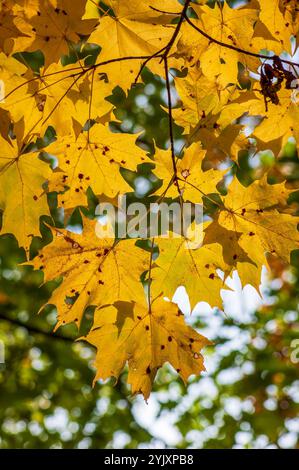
[
  {"x": 279, "y": 19},
  {"x": 234, "y": 256},
  {"x": 194, "y": 183},
  {"x": 146, "y": 339},
  {"x": 73, "y": 92},
  {"x": 22, "y": 197},
  {"x": 55, "y": 97},
  {"x": 200, "y": 96},
  {"x": 94, "y": 270},
  {"x": 133, "y": 29},
  {"x": 20, "y": 96},
  {"x": 52, "y": 28},
  {"x": 233, "y": 26},
  {"x": 256, "y": 212},
  {"x": 94, "y": 160},
  {"x": 280, "y": 121},
  {"x": 195, "y": 269}
]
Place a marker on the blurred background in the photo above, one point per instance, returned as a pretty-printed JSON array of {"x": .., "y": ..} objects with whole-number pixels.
[{"x": 247, "y": 398}]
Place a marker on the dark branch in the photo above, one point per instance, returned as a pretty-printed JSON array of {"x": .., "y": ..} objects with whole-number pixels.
[
  {"x": 235, "y": 48},
  {"x": 37, "y": 331},
  {"x": 177, "y": 30},
  {"x": 170, "y": 121}
]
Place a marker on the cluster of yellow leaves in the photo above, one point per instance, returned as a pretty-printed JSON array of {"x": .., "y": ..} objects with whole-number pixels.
[{"x": 219, "y": 51}]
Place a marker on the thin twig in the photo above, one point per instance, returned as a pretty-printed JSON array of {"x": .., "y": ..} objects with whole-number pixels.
[
  {"x": 170, "y": 123},
  {"x": 235, "y": 48},
  {"x": 90, "y": 105},
  {"x": 144, "y": 64},
  {"x": 150, "y": 277},
  {"x": 177, "y": 30},
  {"x": 35, "y": 330}
]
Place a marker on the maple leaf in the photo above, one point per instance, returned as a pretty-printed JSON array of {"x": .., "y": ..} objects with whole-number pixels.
[
  {"x": 73, "y": 92},
  {"x": 233, "y": 26},
  {"x": 94, "y": 160},
  {"x": 146, "y": 339},
  {"x": 94, "y": 270},
  {"x": 279, "y": 121},
  {"x": 278, "y": 21},
  {"x": 234, "y": 256},
  {"x": 195, "y": 269},
  {"x": 256, "y": 212},
  {"x": 133, "y": 29},
  {"x": 22, "y": 197},
  {"x": 8, "y": 28},
  {"x": 55, "y": 98},
  {"x": 221, "y": 144},
  {"x": 20, "y": 96},
  {"x": 194, "y": 182},
  {"x": 200, "y": 96},
  {"x": 53, "y": 27}
]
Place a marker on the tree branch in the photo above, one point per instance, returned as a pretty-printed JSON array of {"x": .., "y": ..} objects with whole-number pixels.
[
  {"x": 170, "y": 122},
  {"x": 37, "y": 331},
  {"x": 177, "y": 30},
  {"x": 235, "y": 48}
]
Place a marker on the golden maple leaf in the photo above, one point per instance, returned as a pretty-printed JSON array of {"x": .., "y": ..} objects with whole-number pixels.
[
  {"x": 133, "y": 29},
  {"x": 232, "y": 26},
  {"x": 94, "y": 160},
  {"x": 195, "y": 269},
  {"x": 22, "y": 197},
  {"x": 256, "y": 212},
  {"x": 194, "y": 183},
  {"x": 146, "y": 339},
  {"x": 53, "y": 27},
  {"x": 94, "y": 270}
]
